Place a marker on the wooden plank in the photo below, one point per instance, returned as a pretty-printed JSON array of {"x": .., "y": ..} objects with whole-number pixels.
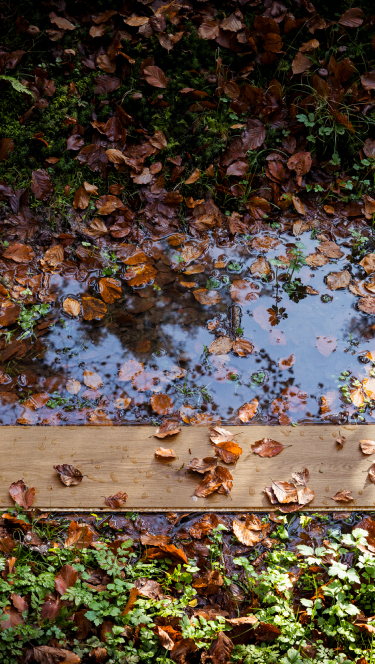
[{"x": 122, "y": 458}]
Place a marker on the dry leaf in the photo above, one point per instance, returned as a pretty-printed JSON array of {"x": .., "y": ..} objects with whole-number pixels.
[
  {"x": 164, "y": 453},
  {"x": 69, "y": 475},
  {"x": 116, "y": 501},
  {"x": 340, "y": 440},
  {"x": 21, "y": 494},
  {"x": 343, "y": 496},
  {"x": 228, "y": 451}
]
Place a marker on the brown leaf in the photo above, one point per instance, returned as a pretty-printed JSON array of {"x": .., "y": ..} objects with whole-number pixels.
[
  {"x": 61, "y": 22},
  {"x": 71, "y": 306},
  {"x": 165, "y": 640},
  {"x": 164, "y": 453},
  {"x": 19, "y": 253},
  {"x": 367, "y": 446},
  {"x": 195, "y": 175},
  {"x": 367, "y": 304},
  {"x": 81, "y": 199},
  {"x": 116, "y": 501},
  {"x": 256, "y": 205},
  {"x": 95, "y": 157},
  {"x": 340, "y": 440},
  {"x": 66, "y": 578},
  {"x": 7, "y": 544},
  {"x": 316, "y": 260},
  {"x": 260, "y": 267},
  {"x": 208, "y": 29},
  {"x": 248, "y": 410},
  {"x": 161, "y": 404},
  {"x": 232, "y": 23},
  {"x": 228, "y": 451},
  {"x": 301, "y": 63},
  {"x": 167, "y": 428},
  {"x": 51, "y": 655},
  {"x": 242, "y": 347},
  {"x": 326, "y": 345},
  {"x": 266, "y": 632},
  {"x": 41, "y": 185},
  {"x": 343, "y": 496},
  {"x": 243, "y": 291},
  {"x": 267, "y": 447},
  {"x": 285, "y": 492},
  {"x": 93, "y": 309},
  {"x": 220, "y": 346},
  {"x": 221, "y": 649},
  {"x": 79, "y": 536},
  {"x": 219, "y": 480},
  {"x": 352, "y": 18},
  {"x": 371, "y": 473},
  {"x": 287, "y": 362},
  {"x": 110, "y": 289},
  {"x": 21, "y": 494},
  {"x": 202, "y": 466},
  {"x": 337, "y": 280},
  {"x": 209, "y": 583},
  {"x": 130, "y": 369},
  {"x": 299, "y": 206},
  {"x": 220, "y": 435},
  {"x": 6, "y": 146},
  {"x": 69, "y": 475},
  {"x": 300, "y": 163},
  {"x": 207, "y": 297},
  {"x": 264, "y": 243},
  {"x": 250, "y": 531},
  {"x": 155, "y": 77},
  {"x": 92, "y": 379},
  {"x": 13, "y": 619},
  {"x": 330, "y": 249},
  {"x": 96, "y": 228}
]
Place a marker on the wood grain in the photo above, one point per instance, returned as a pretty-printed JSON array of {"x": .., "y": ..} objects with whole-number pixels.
[{"x": 122, "y": 458}]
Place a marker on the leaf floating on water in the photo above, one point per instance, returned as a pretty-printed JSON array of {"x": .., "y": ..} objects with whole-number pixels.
[
  {"x": 220, "y": 346},
  {"x": 71, "y": 306},
  {"x": 242, "y": 347},
  {"x": 248, "y": 410},
  {"x": 207, "y": 297},
  {"x": 69, "y": 475},
  {"x": 243, "y": 291},
  {"x": 337, "y": 280},
  {"x": 287, "y": 362},
  {"x": 330, "y": 249},
  {"x": 367, "y": 304},
  {"x": 92, "y": 379},
  {"x": 167, "y": 428},
  {"x": 93, "y": 309},
  {"x": 130, "y": 369},
  {"x": 267, "y": 447},
  {"x": 343, "y": 496},
  {"x": 161, "y": 404},
  {"x": 164, "y": 453},
  {"x": 116, "y": 501},
  {"x": 367, "y": 446},
  {"x": 22, "y": 494}
]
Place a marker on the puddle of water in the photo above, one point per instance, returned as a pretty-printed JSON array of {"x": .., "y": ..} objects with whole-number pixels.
[{"x": 319, "y": 336}]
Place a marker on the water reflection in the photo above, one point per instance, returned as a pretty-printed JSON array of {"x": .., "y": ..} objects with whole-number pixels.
[{"x": 302, "y": 344}]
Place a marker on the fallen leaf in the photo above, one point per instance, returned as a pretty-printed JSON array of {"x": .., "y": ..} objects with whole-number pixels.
[
  {"x": 249, "y": 532},
  {"x": 73, "y": 386},
  {"x": 368, "y": 263},
  {"x": 300, "y": 208},
  {"x": 242, "y": 347},
  {"x": 195, "y": 175},
  {"x": 93, "y": 309},
  {"x": 330, "y": 249},
  {"x": 41, "y": 185},
  {"x": 357, "y": 397},
  {"x": 343, "y": 496},
  {"x": 301, "y": 63},
  {"x": 71, "y": 306},
  {"x": 220, "y": 346},
  {"x": 340, "y": 440},
  {"x": 110, "y": 289},
  {"x": 267, "y": 447},
  {"x": 69, "y": 475},
  {"x": 260, "y": 267},
  {"x": 367, "y": 304},
  {"x": 81, "y": 199},
  {"x": 61, "y": 22},
  {"x": 285, "y": 492},
  {"x": 21, "y": 494},
  {"x": 167, "y": 428},
  {"x": 116, "y": 501},
  {"x": 221, "y": 649},
  {"x": 243, "y": 291},
  {"x": 207, "y": 297},
  {"x": 228, "y": 451},
  {"x": 155, "y": 77},
  {"x": 316, "y": 260},
  {"x": 352, "y": 18},
  {"x": 367, "y": 446},
  {"x": 130, "y": 369},
  {"x": 19, "y": 253},
  {"x": 248, "y": 410},
  {"x": 287, "y": 362},
  {"x": 337, "y": 280},
  {"x": 161, "y": 404},
  {"x": 164, "y": 453},
  {"x": 202, "y": 466},
  {"x": 66, "y": 578},
  {"x": 326, "y": 345},
  {"x": 264, "y": 243},
  {"x": 219, "y": 480},
  {"x": 92, "y": 379}
]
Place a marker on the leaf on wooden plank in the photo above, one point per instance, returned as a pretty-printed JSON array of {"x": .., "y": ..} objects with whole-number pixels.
[
  {"x": 69, "y": 475},
  {"x": 22, "y": 494},
  {"x": 116, "y": 501},
  {"x": 267, "y": 447}
]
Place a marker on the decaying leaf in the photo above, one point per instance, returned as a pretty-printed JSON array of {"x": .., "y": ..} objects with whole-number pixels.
[
  {"x": 164, "y": 453},
  {"x": 21, "y": 494},
  {"x": 229, "y": 452},
  {"x": 71, "y": 306},
  {"x": 219, "y": 480},
  {"x": 207, "y": 297},
  {"x": 340, "y": 440},
  {"x": 343, "y": 496},
  {"x": 167, "y": 428},
  {"x": 220, "y": 435},
  {"x": 337, "y": 280},
  {"x": 220, "y": 346},
  {"x": 202, "y": 465},
  {"x": 267, "y": 447},
  {"x": 93, "y": 309},
  {"x": 367, "y": 446},
  {"x": 69, "y": 475},
  {"x": 116, "y": 501},
  {"x": 371, "y": 473},
  {"x": 161, "y": 404},
  {"x": 248, "y": 410}
]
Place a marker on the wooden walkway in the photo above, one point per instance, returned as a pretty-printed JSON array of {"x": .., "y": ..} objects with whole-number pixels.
[{"x": 122, "y": 459}]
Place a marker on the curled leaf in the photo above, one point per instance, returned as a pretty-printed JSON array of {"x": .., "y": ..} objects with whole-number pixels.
[
  {"x": 69, "y": 475},
  {"x": 116, "y": 501}
]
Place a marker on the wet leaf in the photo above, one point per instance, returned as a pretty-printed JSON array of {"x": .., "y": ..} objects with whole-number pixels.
[
  {"x": 219, "y": 480},
  {"x": 19, "y": 253},
  {"x": 367, "y": 304},
  {"x": 248, "y": 410},
  {"x": 368, "y": 263},
  {"x": 330, "y": 249},
  {"x": 116, "y": 501},
  {"x": 300, "y": 64},
  {"x": 316, "y": 260},
  {"x": 326, "y": 345},
  {"x": 21, "y": 494},
  {"x": 110, "y": 289},
  {"x": 92, "y": 379},
  {"x": 367, "y": 446},
  {"x": 287, "y": 362},
  {"x": 220, "y": 346},
  {"x": 202, "y": 466},
  {"x": 243, "y": 291},
  {"x": 343, "y": 496},
  {"x": 167, "y": 428},
  {"x": 81, "y": 199},
  {"x": 220, "y": 435},
  {"x": 41, "y": 185},
  {"x": 164, "y": 453},
  {"x": 66, "y": 578},
  {"x": 285, "y": 492},
  {"x": 6, "y": 146},
  {"x": 340, "y": 440},
  {"x": 260, "y": 267},
  {"x": 228, "y": 451},
  {"x": 207, "y": 297},
  {"x": 371, "y": 473},
  {"x": 242, "y": 347},
  {"x": 250, "y": 531},
  {"x": 267, "y": 447},
  {"x": 73, "y": 386},
  {"x": 69, "y": 475},
  {"x": 221, "y": 649},
  {"x": 337, "y": 280},
  {"x": 264, "y": 243},
  {"x": 71, "y": 306},
  {"x": 93, "y": 309},
  {"x": 300, "y": 208},
  {"x": 161, "y": 404},
  {"x": 195, "y": 175},
  {"x": 352, "y": 18}
]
